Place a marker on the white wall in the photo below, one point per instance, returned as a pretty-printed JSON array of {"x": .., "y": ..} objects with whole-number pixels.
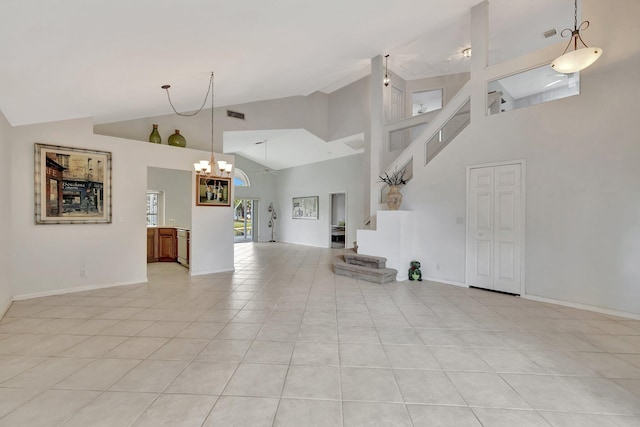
[
  {"x": 295, "y": 112},
  {"x": 582, "y": 193},
  {"x": 263, "y": 189},
  {"x": 5, "y": 214},
  {"x": 47, "y": 259},
  {"x": 177, "y": 186},
  {"x": 340, "y": 114},
  {"x": 343, "y": 175},
  {"x": 349, "y": 111}
]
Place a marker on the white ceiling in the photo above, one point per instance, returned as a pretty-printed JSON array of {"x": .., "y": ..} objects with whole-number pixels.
[
  {"x": 285, "y": 148},
  {"x": 107, "y": 59}
]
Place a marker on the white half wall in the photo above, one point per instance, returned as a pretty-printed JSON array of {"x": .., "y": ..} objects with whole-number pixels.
[
  {"x": 6, "y": 294},
  {"x": 343, "y": 175},
  {"x": 47, "y": 259}
]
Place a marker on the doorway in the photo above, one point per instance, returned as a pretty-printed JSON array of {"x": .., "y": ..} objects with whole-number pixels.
[
  {"x": 495, "y": 227},
  {"x": 245, "y": 216},
  {"x": 338, "y": 226}
]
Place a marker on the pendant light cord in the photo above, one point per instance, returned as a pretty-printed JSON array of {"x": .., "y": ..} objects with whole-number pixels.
[
  {"x": 209, "y": 90},
  {"x": 204, "y": 102}
]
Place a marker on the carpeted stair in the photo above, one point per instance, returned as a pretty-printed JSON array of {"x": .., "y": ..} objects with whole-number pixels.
[{"x": 363, "y": 267}]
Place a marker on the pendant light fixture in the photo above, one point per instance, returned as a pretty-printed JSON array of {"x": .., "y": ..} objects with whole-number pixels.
[
  {"x": 386, "y": 79},
  {"x": 206, "y": 168},
  {"x": 577, "y": 59}
]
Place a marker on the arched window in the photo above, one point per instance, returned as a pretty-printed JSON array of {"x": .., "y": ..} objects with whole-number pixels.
[{"x": 240, "y": 179}]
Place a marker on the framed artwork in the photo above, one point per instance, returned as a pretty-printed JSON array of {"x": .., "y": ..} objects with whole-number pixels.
[
  {"x": 305, "y": 207},
  {"x": 213, "y": 191},
  {"x": 72, "y": 185}
]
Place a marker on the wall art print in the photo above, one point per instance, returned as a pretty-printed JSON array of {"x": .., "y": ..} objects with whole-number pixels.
[
  {"x": 305, "y": 207},
  {"x": 72, "y": 185},
  {"x": 213, "y": 191}
]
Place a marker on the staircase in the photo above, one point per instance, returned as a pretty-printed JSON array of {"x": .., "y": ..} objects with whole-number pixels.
[
  {"x": 363, "y": 267},
  {"x": 437, "y": 132}
]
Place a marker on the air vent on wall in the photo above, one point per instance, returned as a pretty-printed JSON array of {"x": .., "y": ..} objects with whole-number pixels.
[{"x": 235, "y": 114}]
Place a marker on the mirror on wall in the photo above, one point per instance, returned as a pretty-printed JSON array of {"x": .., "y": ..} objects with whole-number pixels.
[{"x": 530, "y": 87}]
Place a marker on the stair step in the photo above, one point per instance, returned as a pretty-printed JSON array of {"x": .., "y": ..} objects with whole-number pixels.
[
  {"x": 370, "y": 274},
  {"x": 351, "y": 257}
]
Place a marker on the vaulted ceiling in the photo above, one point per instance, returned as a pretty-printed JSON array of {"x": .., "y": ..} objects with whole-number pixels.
[{"x": 108, "y": 59}]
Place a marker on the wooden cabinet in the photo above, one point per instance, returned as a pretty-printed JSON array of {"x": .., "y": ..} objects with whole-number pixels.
[
  {"x": 152, "y": 245},
  {"x": 167, "y": 244},
  {"x": 162, "y": 245}
]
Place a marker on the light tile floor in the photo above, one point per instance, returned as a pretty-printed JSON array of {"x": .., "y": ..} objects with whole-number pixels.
[{"x": 282, "y": 341}]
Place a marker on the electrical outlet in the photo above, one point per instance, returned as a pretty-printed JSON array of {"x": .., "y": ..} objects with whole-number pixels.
[
  {"x": 83, "y": 272},
  {"x": 438, "y": 267}
]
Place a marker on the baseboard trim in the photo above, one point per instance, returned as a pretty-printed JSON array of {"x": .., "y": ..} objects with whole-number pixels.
[
  {"x": 4, "y": 310},
  {"x": 305, "y": 244},
  {"x": 445, "y": 281},
  {"x": 202, "y": 273},
  {"x": 618, "y": 313},
  {"x": 76, "y": 289}
]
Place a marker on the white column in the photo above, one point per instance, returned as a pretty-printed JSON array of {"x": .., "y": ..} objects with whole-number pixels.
[
  {"x": 376, "y": 136},
  {"x": 479, "y": 58}
]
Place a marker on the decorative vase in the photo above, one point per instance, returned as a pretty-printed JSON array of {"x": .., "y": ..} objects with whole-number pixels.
[
  {"x": 177, "y": 140},
  {"x": 394, "y": 198},
  {"x": 155, "y": 135}
]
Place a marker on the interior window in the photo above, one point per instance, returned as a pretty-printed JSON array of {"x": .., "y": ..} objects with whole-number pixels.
[
  {"x": 240, "y": 179},
  {"x": 530, "y": 87},
  {"x": 425, "y": 101}
]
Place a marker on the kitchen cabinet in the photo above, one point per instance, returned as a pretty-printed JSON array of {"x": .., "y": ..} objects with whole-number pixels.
[
  {"x": 152, "y": 245},
  {"x": 167, "y": 245},
  {"x": 162, "y": 244}
]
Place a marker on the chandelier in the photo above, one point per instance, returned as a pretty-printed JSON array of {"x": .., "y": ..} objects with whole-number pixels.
[
  {"x": 575, "y": 60},
  {"x": 206, "y": 168}
]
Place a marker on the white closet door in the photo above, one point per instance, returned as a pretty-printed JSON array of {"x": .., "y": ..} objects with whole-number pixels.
[
  {"x": 480, "y": 232},
  {"x": 507, "y": 228},
  {"x": 494, "y": 235}
]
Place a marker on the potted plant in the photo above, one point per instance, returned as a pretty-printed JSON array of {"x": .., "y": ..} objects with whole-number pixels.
[{"x": 394, "y": 197}]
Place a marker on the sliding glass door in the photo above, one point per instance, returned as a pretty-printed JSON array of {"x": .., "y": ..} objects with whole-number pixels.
[{"x": 243, "y": 219}]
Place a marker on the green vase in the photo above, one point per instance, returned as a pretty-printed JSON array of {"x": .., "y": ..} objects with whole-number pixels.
[
  {"x": 177, "y": 140},
  {"x": 155, "y": 135}
]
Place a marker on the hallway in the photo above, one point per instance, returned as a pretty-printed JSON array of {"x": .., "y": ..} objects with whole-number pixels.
[{"x": 283, "y": 341}]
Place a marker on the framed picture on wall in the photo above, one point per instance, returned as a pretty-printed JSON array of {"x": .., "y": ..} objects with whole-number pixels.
[
  {"x": 72, "y": 185},
  {"x": 213, "y": 191},
  {"x": 305, "y": 207}
]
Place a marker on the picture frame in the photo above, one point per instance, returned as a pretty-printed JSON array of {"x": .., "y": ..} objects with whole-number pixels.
[
  {"x": 213, "y": 191},
  {"x": 72, "y": 185},
  {"x": 305, "y": 207}
]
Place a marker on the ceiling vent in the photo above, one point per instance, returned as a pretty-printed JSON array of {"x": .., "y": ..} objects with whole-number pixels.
[
  {"x": 549, "y": 33},
  {"x": 235, "y": 114}
]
